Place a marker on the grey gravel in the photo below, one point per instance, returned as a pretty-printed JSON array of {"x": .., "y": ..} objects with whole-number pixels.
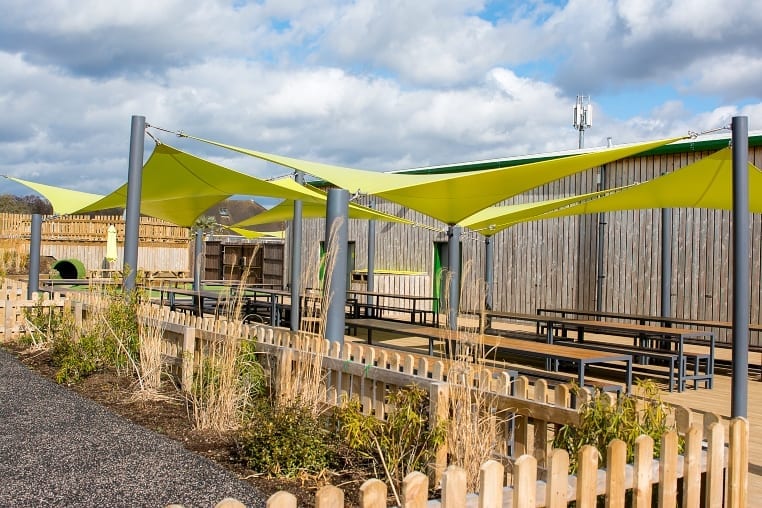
[{"x": 60, "y": 449}]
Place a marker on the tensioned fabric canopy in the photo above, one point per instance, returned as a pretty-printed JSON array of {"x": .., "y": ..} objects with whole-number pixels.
[
  {"x": 179, "y": 187},
  {"x": 707, "y": 183},
  {"x": 494, "y": 219},
  {"x": 453, "y": 197},
  {"x": 285, "y": 210},
  {"x": 64, "y": 201},
  {"x": 247, "y": 233}
]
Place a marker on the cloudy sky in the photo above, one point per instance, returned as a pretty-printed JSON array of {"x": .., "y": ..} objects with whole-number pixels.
[{"x": 372, "y": 84}]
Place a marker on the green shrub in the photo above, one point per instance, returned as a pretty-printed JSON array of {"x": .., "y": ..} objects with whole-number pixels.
[
  {"x": 286, "y": 441},
  {"x": 110, "y": 337},
  {"x": 401, "y": 444},
  {"x": 45, "y": 322},
  {"x": 77, "y": 358},
  {"x": 601, "y": 422}
]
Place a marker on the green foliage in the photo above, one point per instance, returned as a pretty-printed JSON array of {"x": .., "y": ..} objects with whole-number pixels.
[
  {"x": 630, "y": 417},
  {"x": 44, "y": 323},
  {"x": 400, "y": 445},
  {"x": 123, "y": 331},
  {"x": 110, "y": 337},
  {"x": 252, "y": 383},
  {"x": 286, "y": 441},
  {"x": 77, "y": 359}
]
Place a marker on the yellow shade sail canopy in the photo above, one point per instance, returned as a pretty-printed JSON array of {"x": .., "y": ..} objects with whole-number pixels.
[
  {"x": 494, "y": 219},
  {"x": 456, "y": 198},
  {"x": 359, "y": 181},
  {"x": 453, "y": 197},
  {"x": 248, "y": 233},
  {"x": 64, "y": 201},
  {"x": 284, "y": 211},
  {"x": 178, "y": 187},
  {"x": 707, "y": 183}
]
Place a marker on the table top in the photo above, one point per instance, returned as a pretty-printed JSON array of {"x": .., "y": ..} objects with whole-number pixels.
[
  {"x": 645, "y": 317},
  {"x": 508, "y": 343},
  {"x": 631, "y": 327},
  {"x": 363, "y": 292}
]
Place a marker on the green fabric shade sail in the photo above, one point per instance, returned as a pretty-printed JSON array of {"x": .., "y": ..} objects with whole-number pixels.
[
  {"x": 284, "y": 211},
  {"x": 453, "y": 197},
  {"x": 178, "y": 187},
  {"x": 707, "y": 183},
  {"x": 64, "y": 201},
  {"x": 494, "y": 219},
  {"x": 248, "y": 233}
]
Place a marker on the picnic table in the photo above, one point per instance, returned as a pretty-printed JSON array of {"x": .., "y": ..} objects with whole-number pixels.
[
  {"x": 551, "y": 353},
  {"x": 646, "y": 336},
  {"x": 197, "y": 298},
  {"x": 377, "y": 303},
  {"x": 643, "y": 318}
]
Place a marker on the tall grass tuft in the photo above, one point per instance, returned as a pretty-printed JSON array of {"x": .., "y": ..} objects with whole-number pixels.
[
  {"x": 228, "y": 378},
  {"x": 476, "y": 428},
  {"x": 306, "y": 384},
  {"x": 151, "y": 334},
  {"x": 214, "y": 389}
]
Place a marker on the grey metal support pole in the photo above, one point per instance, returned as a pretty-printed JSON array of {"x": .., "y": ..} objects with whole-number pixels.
[
  {"x": 34, "y": 256},
  {"x": 453, "y": 255},
  {"x": 296, "y": 260},
  {"x": 198, "y": 252},
  {"x": 739, "y": 382},
  {"x": 599, "y": 274},
  {"x": 132, "y": 212},
  {"x": 336, "y": 233},
  {"x": 371, "y": 256},
  {"x": 489, "y": 270},
  {"x": 666, "y": 262}
]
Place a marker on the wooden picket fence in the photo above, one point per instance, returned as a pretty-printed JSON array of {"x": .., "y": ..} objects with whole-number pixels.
[
  {"x": 527, "y": 472},
  {"x": 14, "y": 305}
]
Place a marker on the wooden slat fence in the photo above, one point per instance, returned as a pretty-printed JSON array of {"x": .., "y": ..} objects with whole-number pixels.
[
  {"x": 537, "y": 476},
  {"x": 163, "y": 246},
  {"x": 14, "y": 304},
  {"x": 83, "y": 228}
]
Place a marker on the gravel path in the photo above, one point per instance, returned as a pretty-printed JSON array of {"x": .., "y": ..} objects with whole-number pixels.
[{"x": 60, "y": 449}]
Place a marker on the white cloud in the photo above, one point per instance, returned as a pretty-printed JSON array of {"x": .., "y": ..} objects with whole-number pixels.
[{"x": 366, "y": 83}]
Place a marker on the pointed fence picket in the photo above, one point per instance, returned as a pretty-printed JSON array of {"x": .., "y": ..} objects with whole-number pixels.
[{"x": 708, "y": 473}]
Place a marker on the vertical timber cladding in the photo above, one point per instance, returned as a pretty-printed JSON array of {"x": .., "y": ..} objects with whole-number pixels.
[{"x": 552, "y": 262}]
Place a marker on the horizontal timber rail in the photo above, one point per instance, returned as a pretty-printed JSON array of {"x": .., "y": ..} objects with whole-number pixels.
[{"x": 538, "y": 475}]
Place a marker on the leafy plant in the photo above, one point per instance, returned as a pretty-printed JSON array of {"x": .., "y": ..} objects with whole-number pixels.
[
  {"x": 630, "y": 417},
  {"x": 44, "y": 322},
  {"x": 77, "y": 358},
  {"x": 405, "y": 442},
  {"x": 109, "y": 338},
  {"x": 286, "y": 441}
]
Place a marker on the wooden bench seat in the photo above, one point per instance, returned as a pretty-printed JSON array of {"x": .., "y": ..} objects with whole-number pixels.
[
  {"x": 550, "y": 353},
  {"x": 641, "y": 356}
]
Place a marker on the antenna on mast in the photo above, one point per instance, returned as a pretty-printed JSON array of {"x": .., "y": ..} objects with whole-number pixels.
[{"x": 583, "y": 117}]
